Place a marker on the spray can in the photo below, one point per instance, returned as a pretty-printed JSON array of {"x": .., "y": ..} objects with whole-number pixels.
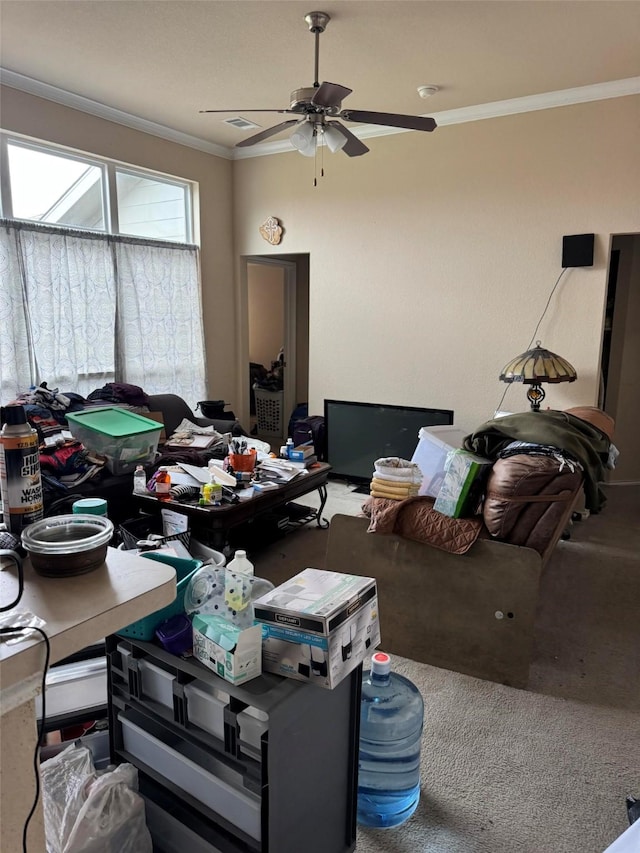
[{"x": 20, "y": 480}]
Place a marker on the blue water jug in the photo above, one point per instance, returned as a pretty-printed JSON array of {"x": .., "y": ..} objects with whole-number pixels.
[{"x": 391, "y": 718}]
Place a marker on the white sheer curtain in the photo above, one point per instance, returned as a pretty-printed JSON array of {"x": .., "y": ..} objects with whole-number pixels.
[
  {"x": 17, "y": 368},
  {"x": 159, "y": 327},
  {"x": 78, "y": 311}
]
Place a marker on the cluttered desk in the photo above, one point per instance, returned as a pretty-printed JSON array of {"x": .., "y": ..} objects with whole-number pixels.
[{"x": 218, "y": 498}]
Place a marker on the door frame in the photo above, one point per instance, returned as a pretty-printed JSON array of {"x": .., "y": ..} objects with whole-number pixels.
[{"x": 290, "y": 338}]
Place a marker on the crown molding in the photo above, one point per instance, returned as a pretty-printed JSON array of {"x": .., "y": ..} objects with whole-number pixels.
[
  {"x": 478, "y": 112},
  {"x": 95, "y": 108},
  {"x": 493, "y": 109}
]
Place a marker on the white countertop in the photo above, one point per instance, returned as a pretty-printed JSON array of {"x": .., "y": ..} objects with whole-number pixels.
[{"x": 81, "y": 610}]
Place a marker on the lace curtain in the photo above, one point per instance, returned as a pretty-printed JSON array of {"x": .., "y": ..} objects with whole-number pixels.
[{"x": 79, "y": 310}]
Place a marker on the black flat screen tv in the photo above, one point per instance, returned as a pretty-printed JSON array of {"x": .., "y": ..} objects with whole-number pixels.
[{"x": 359, "y": 433}]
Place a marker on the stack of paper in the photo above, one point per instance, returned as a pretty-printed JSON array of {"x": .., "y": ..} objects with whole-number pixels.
[{"x": 280, "y": 469}]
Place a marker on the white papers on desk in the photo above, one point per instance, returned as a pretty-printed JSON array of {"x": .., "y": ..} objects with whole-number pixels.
[
  {"x": 201, "y": 475},
  {"x": 281, "y": 470}
]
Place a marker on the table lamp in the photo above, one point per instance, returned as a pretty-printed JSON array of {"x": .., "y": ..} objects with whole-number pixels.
[{"x": 534, "y": 367}]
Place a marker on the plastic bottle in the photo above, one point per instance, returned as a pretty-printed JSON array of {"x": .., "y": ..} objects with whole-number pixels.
[
  {"x": 241, "y": 563},
  {"x": 163, "y": 484},
  {"x": 20, "y": 480},
  {"x": 139, "y": 481},
  {"x": 237, "y": 594},
  {"x": 391, "y": 718},
  {"x": 289, "y": 446}
]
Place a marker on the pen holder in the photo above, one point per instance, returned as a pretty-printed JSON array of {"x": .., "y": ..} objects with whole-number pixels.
[{"x": 243, "y": 461}]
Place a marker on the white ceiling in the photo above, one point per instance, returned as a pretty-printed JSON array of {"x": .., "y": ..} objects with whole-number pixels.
[{"x": 163, "y": 60}]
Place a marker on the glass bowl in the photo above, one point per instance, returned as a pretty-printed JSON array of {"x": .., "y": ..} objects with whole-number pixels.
[{"x": 66, "y": 545}]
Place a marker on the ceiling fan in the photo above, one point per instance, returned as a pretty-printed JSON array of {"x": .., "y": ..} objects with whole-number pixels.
[{"x": 320, "y": 106}]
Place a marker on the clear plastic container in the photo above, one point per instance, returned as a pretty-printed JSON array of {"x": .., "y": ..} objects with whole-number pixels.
[
  {"x": 207, "y": 594},
  {"x": 391, "y": 719},
  {"x": 65, "y": 545}
]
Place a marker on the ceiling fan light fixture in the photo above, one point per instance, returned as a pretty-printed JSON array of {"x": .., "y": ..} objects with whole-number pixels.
[
  {"x": 334, "y": 139},
  {"x": 309, "y": 150},
  {"x": 303, "y": 138}
]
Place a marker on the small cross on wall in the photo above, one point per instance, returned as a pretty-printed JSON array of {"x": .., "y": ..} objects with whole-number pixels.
[{"x": 271, "y": 230}]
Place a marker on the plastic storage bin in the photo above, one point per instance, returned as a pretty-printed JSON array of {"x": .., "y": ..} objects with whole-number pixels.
[
  {"x": 269, "y": 412},
  {"x": 144, "y": 629},
  {"x": 228, "y": 798},
  {"x": 123, "y": 437},
  {"x": 205, "y": 707},
  {"x": 430, "y": 455}
]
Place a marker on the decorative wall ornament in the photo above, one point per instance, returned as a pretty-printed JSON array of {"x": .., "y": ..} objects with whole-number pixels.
[{"x": 271, "y": 230}]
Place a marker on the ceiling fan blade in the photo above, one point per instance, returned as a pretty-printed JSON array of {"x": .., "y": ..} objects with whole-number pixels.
[
  {"x": 330, "y": 95},
  {"x": 245, "y": 111},
  {"x": 390, "y": 119},
  {"x": 353, "y": 147},
  {"x": 270, "y": 131}
]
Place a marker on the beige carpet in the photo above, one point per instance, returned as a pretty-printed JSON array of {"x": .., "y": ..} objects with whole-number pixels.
[{"x": 544, "y": 770}]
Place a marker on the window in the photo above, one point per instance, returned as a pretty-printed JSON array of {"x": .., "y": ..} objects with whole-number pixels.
[
  {"x": 149, "y": 207},
  {"x": 59, "y": 187},
  {"x": 48, "y": 187},
  {"x": 96, "y": 288}
]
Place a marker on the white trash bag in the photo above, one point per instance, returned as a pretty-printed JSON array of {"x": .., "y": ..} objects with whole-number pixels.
[
  {"x": 63, "y": 778},
  {"x": 91, "y": 812}
]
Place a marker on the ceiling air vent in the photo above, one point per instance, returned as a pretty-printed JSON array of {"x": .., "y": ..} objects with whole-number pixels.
[{"x": 240, "y": 123}]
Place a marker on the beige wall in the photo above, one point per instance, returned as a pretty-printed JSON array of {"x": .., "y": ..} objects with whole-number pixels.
[
  {"x": 432, "y": 257},
  {"x": 41, "y": 119},
  {"x": 266, "y": 312}
]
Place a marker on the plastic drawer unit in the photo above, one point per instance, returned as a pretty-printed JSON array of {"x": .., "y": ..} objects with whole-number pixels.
[{"x": 269, "y": 766}]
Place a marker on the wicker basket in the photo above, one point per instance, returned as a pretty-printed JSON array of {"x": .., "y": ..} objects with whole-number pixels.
[
  {"x": 131, "y": 531},
  {"x": 269, "y": 412}
]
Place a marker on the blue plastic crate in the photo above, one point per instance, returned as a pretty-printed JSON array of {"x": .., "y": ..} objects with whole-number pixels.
[{"x": 144, "y": 629}]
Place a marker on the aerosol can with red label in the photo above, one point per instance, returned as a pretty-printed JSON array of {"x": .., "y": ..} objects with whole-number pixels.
[{"x": 20, "y": 480}]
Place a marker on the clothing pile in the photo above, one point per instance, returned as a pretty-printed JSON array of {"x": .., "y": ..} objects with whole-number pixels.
[{"x": 395, "y": 478}]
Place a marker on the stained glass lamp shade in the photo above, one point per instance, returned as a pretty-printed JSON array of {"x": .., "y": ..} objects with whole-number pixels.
[{"x": 534, "y": 367}]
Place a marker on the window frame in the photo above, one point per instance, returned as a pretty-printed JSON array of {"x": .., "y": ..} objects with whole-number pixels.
[{"x": 108, "y": 169}]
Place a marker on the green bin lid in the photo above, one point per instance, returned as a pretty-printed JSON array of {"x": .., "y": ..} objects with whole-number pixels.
[{"x": 113, "y": 421}]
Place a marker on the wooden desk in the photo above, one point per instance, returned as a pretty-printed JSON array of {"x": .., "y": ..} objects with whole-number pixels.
[
  {"x": 78, "y": 611},
  {"x": 215, "y": 521}
]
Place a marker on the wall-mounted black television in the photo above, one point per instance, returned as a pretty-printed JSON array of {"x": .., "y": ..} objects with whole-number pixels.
[{"x": 359, "y": 433}]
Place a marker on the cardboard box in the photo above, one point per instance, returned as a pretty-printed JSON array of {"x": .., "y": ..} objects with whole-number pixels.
[
  {"x": 233, "y": 653},
  {"x": 430, "y": 455},
  {"x": 319, "y": 626},
  {"x": 458, "y": 492}
]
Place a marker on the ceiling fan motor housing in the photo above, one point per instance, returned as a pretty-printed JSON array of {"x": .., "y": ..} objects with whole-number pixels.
[{"x": 301, "y": 102}]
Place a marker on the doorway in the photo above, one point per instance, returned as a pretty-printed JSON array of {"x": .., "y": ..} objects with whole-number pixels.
[
  {"x": 621, "y": 355},
  {"x": 276, "y": 350}
]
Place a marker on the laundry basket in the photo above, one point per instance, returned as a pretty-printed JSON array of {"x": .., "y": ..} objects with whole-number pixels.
[{"x": 269, "y": 412}]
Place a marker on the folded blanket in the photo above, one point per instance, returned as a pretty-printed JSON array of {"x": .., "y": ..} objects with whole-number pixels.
[
  {"x": 394, "y": 468},
  {"x": 416, "y": 519},
  {"x": 397, "y": 488},
  {"x": 393, "y": 496}
]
